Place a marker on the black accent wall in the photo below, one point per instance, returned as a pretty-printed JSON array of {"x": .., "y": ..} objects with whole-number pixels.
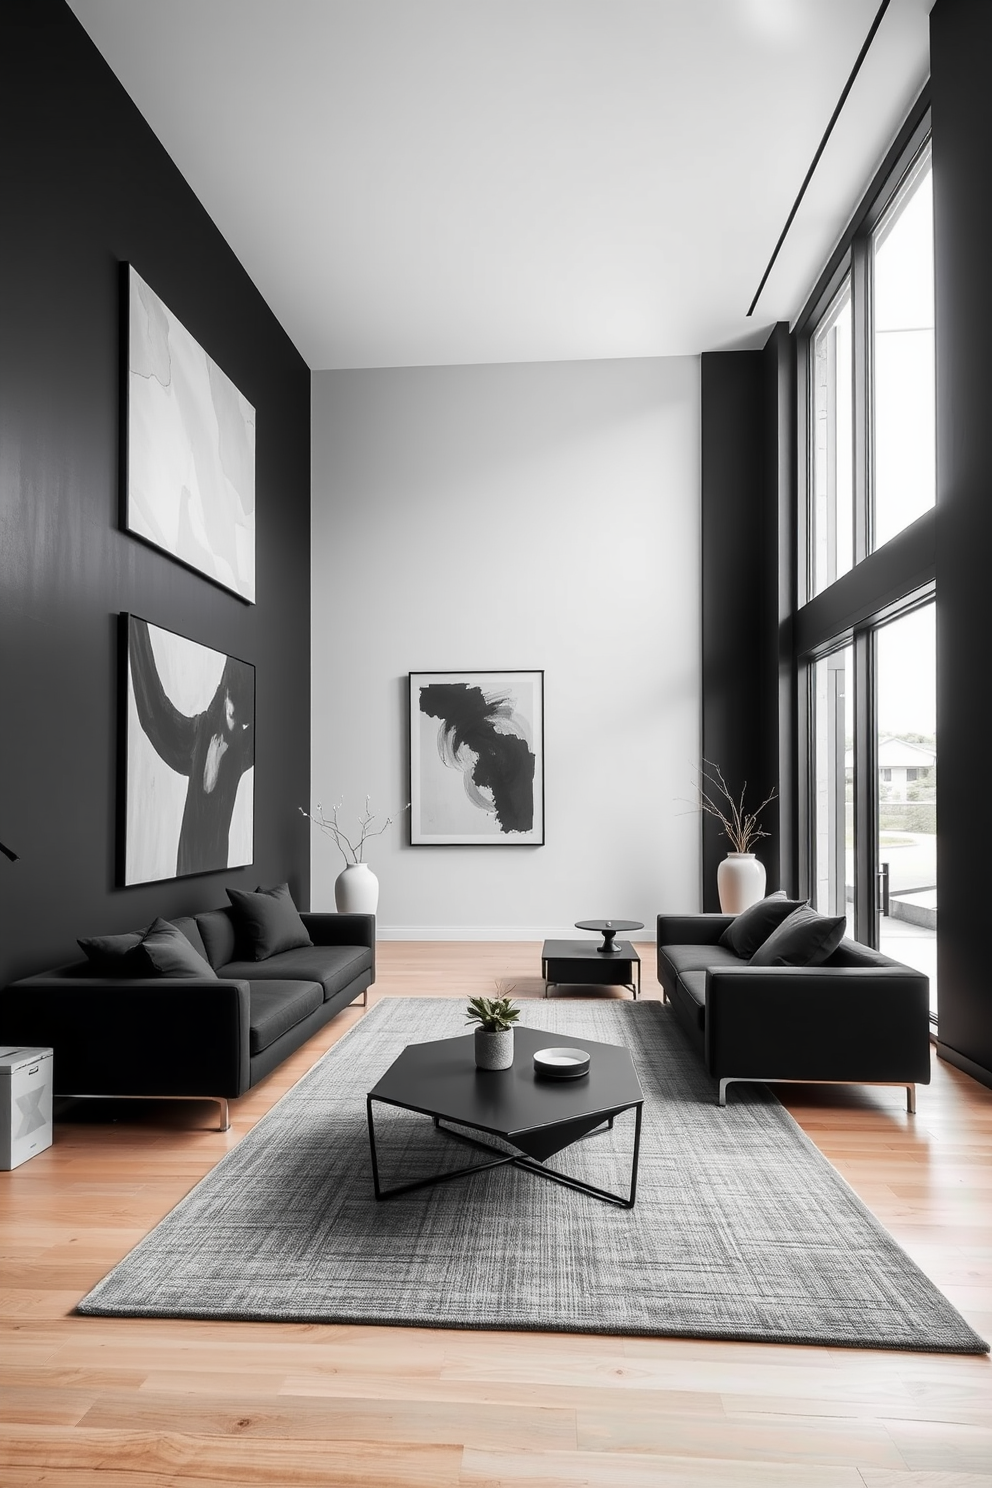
[
  {"x": 740, "y": 471},
  {"x": 960, "y": 46},
  {"x": 85, "y": 186}
]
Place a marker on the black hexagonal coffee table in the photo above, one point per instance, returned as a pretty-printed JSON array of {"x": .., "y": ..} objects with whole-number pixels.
[{"x": 536, "y": 1115}]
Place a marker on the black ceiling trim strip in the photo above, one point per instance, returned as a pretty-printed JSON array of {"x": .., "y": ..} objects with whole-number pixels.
[{"x": 820, "y": 149}]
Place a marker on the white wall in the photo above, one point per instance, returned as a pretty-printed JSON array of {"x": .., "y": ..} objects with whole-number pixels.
[{"x": 514, "y": 516}]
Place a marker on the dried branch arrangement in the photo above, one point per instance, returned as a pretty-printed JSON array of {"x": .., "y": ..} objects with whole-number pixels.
[
  {"x": 352, "y": 852},
  {"x": 716, "y": 799}
]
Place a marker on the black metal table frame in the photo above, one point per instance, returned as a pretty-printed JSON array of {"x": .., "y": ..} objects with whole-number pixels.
[{"x": 517, "y": 1160}]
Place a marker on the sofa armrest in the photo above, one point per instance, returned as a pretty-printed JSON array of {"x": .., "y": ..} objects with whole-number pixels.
[
  {"x": 135, "y": 1035},
  {"x": 685, "y": 929},
  {"x": 330, "y": 929},
  {"x": 818, "y": 1023},
  {"x": 691, "y": 929}
]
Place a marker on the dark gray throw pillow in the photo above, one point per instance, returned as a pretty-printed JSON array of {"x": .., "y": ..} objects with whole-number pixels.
[
  {"x": 752, "y": 927},
  {"x": 169, "y": 954},
  {"x": 804, "y": 939},
  {"x": 114, "y": 955},
  {"x": 267, "y": 922}
]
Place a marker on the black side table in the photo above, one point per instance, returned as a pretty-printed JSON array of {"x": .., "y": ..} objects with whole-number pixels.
[
  {"x": 582, "y": 962},
  {"x": 608, "y": 929}
]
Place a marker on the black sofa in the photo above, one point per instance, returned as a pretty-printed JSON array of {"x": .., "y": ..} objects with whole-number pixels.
[
  {"x": 859, "y": 1018},
  {"x": 189, "y": 1037}
]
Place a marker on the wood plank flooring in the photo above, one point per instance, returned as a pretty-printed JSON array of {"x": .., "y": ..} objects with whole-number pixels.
[{"x": 97, "y": 1403}]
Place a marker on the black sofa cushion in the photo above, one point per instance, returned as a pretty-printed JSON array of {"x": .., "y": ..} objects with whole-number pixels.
[
  {"x": 267, "y": 922},
  {"x": 804, "y": 939},
  {"x": 276, "y": 1007},
  {"x": 752, "y": 927},
  {"x": 332, "y": 966},
  {"x": 187, "y": 924},
  {"x": 168, "y": 953},
  {"x": 216, "y": 927},
  {"x": 114, "y": 955},
  {"x": 683, "y": 958}
]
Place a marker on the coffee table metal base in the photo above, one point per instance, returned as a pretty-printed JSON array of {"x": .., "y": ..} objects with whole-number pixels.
[{"x": 514, "y": 1159}]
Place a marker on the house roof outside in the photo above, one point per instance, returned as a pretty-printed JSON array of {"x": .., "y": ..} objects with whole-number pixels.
[{"x": 895, "y": 753}]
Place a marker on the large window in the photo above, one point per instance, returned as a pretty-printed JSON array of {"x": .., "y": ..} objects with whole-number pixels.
[
  {"x": 904, "y": 419},
  {"x": 832, "y": 506},
  {"x": 873, "y": 787},
  {"x": 906, "y": 815},
  {"x": 865, "y": 637},
  {"x": 833, "y": 785},
  {"x": 869, "y": 376}
]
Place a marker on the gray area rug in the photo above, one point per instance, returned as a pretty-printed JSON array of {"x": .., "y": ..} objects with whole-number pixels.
[{"x": 742, "y": 1230}]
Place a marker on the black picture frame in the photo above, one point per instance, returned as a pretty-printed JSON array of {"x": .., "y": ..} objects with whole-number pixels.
[
  {"x": 188, "y": 744},
  {"x": 477, "y": 758}
]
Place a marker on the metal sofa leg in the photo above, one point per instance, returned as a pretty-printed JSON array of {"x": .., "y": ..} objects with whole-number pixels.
[
  {"x": 780, "y": 1080},
  {"x": 224, "y": 1113}
]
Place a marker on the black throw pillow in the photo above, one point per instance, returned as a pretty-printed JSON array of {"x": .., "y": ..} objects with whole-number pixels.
[
  {"x": 804, "y": 939},
  {"x": 168, "y": 953},
  {"x": 267, "y": 922},
  {"x": 114, "y": 955},
  {"x": 752, "y": 927}
]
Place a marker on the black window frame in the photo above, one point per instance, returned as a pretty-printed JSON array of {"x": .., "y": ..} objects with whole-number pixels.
[{"x": 883, "y": 582}]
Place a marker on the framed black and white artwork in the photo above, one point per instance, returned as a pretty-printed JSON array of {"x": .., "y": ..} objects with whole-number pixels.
[
  {"x": 190, "y": 465},
  {"x": 189, "y": 756},
  {"x": 477, "y": 759}
]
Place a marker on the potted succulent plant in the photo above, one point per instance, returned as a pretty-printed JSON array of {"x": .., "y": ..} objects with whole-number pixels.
[{"x": 495, "y": 1017}]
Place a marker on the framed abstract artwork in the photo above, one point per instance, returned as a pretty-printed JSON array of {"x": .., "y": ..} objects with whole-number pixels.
[
  {"x": 190, "y": 459},
  {"x": 477, "y": 759},
  {"x": 189, "y": 756}
]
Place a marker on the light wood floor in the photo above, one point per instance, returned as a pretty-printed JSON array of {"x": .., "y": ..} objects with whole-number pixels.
[{"x": 89, "y": 1401}]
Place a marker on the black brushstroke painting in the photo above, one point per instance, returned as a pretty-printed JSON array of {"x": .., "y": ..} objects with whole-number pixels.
[
  {"x": 213, "y": 749},
  {"x": 482, "y": 736}
]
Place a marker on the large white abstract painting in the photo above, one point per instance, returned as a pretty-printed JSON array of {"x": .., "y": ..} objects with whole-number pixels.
[
  {"x": 189, "y": 756},
  {"x": 190, "y": 448}
]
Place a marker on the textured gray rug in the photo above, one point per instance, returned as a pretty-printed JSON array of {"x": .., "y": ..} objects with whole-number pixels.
[{"x": 742, "y": 1230}]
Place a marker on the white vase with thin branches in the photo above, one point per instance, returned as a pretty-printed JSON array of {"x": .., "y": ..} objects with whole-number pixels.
[
  {"x": 356, "y": 888},
  {"x": 740, "y": 878}
]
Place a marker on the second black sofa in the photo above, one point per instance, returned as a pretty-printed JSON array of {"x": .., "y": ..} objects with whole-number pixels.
[{"x": 858, "y": 1017}]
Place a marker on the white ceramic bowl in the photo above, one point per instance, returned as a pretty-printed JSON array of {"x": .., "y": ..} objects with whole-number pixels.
[{"x": 562, "y": 1064}]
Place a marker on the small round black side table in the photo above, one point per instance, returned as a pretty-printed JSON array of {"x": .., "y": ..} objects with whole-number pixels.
[{"x": 608, "y": 929}]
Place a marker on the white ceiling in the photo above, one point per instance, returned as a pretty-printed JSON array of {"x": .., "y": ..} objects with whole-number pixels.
[{"x": 422, "y": 182}]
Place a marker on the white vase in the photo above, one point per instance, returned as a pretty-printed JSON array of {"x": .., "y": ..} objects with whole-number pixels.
[
  {"x": 493, "y": 1051},
  {"x": 740, "y": 882},
  {"x": 356, "y": 890}
]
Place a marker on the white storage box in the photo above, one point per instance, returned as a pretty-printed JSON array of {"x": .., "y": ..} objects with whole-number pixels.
[{"x": 25, "y": 1104}]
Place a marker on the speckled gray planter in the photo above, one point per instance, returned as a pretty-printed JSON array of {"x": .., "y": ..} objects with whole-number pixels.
[{"x": 494, "y": 1051}]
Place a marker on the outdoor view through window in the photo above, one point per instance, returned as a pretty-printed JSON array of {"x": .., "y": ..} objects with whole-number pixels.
[{"x": 906, "y": 830}]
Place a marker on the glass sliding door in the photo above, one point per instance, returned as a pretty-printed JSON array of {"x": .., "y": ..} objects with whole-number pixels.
[
  {"x": 906, "y": 826},
  {"x": 833, "y": 784}
]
